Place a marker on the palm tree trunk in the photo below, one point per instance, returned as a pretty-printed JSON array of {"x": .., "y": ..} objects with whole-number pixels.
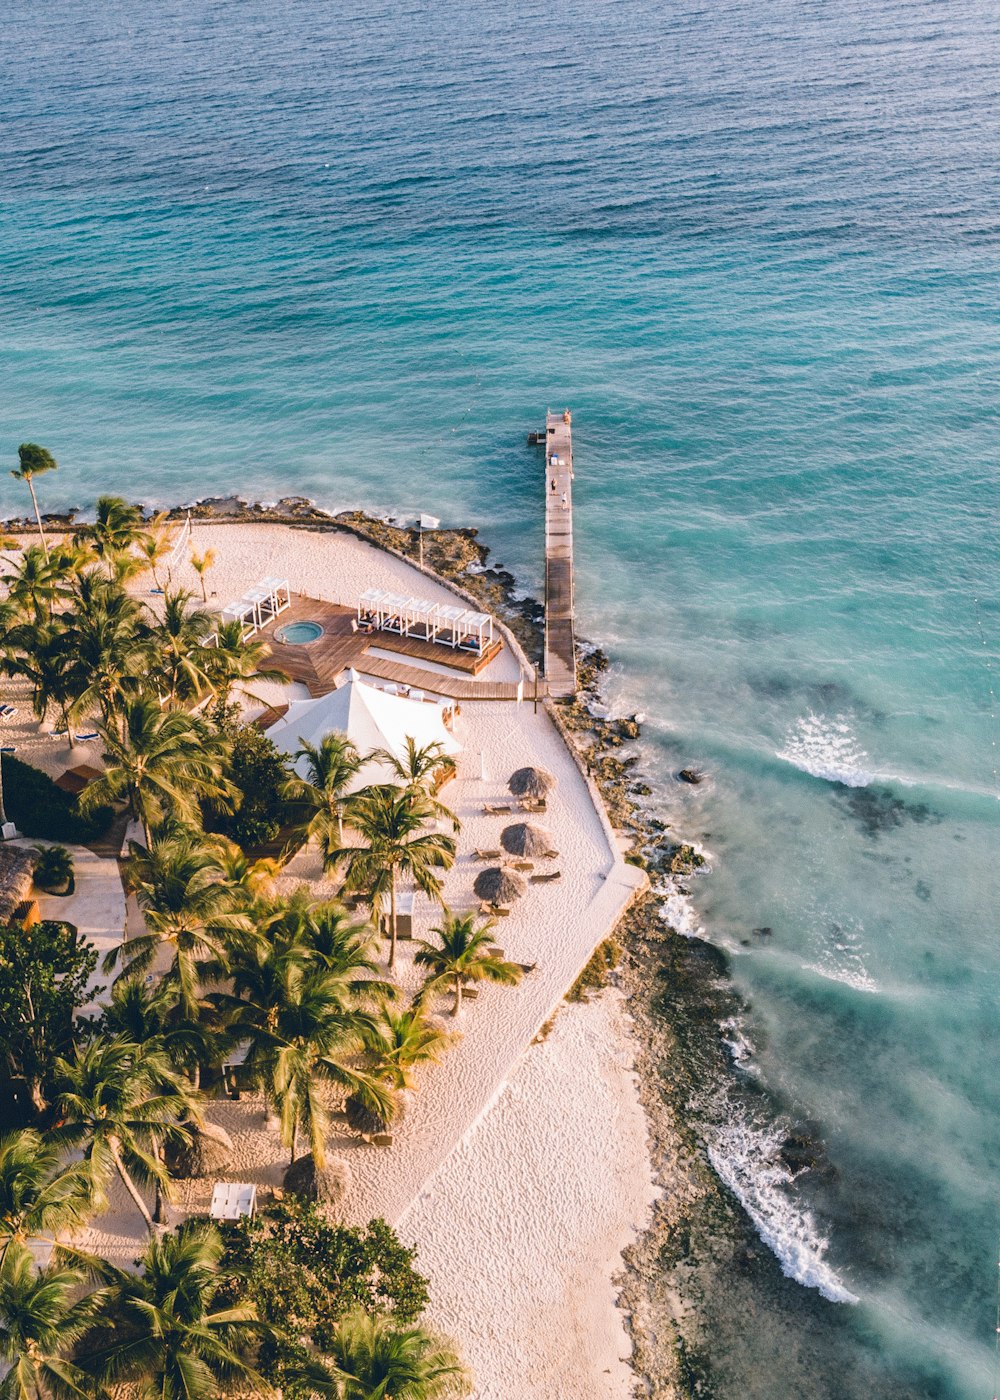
[
  {"x": 3, "y": 810},
  {"x": 159, "y": 1204},
  {"x": 295, "y": 1139},
  {"x": 458, "y": 997},
  {"x": 392, "y": 917},
  {"x": 38, "y": 518},
  {"x": 130, "y": 1185}
]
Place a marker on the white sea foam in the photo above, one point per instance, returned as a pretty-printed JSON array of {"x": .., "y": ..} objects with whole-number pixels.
[
  {"x": 842, "y": 954},
  {"x": 827, "y": 748},
  {"x": 745, "y": 1156},
  {"x": 678, "y": 911}
]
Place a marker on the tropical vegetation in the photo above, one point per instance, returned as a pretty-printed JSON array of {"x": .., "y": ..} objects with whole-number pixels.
[{"x": 110, "y": 1071}]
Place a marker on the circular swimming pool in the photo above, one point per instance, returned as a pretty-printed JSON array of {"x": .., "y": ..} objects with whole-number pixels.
[{"x": 297, "y": 634}]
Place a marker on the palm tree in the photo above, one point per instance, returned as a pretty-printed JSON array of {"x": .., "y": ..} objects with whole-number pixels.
[
  {"x": 188, "y": 908},
  {"x": 153, "y": 1016},
  {"x": 201, "y": 563},
  {"x": 43, "y": 654},
  {"x": 162, "y": 1331},
  {"x": 34, "y": 461},
  {"x": 117, "y": 528},
  {"x": 42, "y": 1318},
  {"x": 322, "y": 933},
  {"x": 331, "y": 765},
  {"x": 39, "y": 1192},
  {"x": 110, "y": 640},
  {"x": 160, "y": 765},
  {"x": 303, "y": 1030},
  {"x": 120, "y": 1103},
  {"x": 235, "y": 662},
  {"x": 407, "y": 1038},
  {"x": 462, "y": 955},
  {"x": 155, "y": 543},
  {"x": 377, "y": 1359},
  {"x": 391, "y": 821},
  {"x": 422, "y": 769},
  {"x": 179, "y": 644},
  {"x": 38, "y": 581}
]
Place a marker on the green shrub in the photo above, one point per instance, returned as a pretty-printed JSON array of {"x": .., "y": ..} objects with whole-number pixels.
[
  {"x": 258, "y": 771},
  {"x": 40, "y": 809},
  {"x": 303, "y": 1272}
]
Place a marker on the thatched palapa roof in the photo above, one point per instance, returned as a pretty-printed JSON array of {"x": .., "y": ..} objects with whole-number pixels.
[
  {"x": 326, "y": 1185},
  {"x": 499, "y": 886},
  {"x": 531, "y": 782},
  {"x": 16, "y": 871},
  {"x": 525, "y": 839}
]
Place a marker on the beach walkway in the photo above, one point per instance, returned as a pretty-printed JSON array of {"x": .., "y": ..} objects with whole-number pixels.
[{"x": 560, "y": 643}]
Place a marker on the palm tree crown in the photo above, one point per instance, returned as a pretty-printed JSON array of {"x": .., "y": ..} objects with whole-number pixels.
[
  {"x": 121, "y": 1103},
  {"x": 41, "y": 1318},
  {"x": 160, "y": 764},
  {"x": 163, "y": 1331},
  {"x": 39, "y": 1193},
  {"x": 376, "y": 1359},
  {"x": 331, "y": 765},
  {"x": 462, "y": 954},
  {"x": 391, "y": 823}
]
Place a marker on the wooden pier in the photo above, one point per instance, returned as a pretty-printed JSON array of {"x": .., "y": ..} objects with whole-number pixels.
[{"x": 560, "y": 643}]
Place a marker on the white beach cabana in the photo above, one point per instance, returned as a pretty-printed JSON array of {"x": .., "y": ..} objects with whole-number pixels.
[
  {"x": 371, "y": 719},
  {"x": 447, "y": 623},
  {"x": 259, "y": 605}
]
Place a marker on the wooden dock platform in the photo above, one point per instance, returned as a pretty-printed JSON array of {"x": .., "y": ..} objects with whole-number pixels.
[
  {"x": 320, "y": 665},
  {"x": 560, "y": 642}
]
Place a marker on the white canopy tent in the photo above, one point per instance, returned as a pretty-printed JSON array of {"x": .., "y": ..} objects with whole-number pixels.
[{"x": 371, "y": 719}]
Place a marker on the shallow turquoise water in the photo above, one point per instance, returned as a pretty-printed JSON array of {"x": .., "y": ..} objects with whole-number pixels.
[{"x": 354, "y": 254}]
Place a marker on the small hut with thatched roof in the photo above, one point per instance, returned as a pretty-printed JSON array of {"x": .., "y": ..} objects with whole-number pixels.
[
  {"x": 526, "y": 839},
  {"x": 327, "y": 1185},
  {"x": 533, "y": 783},
  {"x": 17, "y": 868},
  {"x": 499, "y": 886}
]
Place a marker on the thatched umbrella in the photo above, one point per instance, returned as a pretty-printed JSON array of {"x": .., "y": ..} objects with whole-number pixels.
[
  {"x": 208, "y": 1152},
  {"x": 499, "y": 886},
  {"x": 364, "y": 1119},
  {"x": 326, "y": 1185},
  {"x": 525, "y": 839},
  {"x": 531, "y": 782},
  {"x": 17, "y": 868}
]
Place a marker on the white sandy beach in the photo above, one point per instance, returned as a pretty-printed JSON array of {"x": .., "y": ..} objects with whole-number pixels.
[{"x": 519, "y": 1170}]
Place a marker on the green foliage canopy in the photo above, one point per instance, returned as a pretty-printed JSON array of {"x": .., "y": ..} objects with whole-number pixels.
[
  {"x": 44, "y": 974},
  {"x": 304, "y": 1273}
]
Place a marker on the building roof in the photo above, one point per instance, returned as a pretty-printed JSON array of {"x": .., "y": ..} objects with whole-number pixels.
[{"x": 371, "y": 719}]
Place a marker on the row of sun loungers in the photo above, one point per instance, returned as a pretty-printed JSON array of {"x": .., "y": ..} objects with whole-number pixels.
[{"x": 504, "y": 809}]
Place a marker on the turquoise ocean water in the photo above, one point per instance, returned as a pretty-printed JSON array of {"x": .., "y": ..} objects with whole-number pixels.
[{"x": 354, "y": 252}]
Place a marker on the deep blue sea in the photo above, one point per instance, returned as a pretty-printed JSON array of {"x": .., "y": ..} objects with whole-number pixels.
[{"x": 354, "y": 251}]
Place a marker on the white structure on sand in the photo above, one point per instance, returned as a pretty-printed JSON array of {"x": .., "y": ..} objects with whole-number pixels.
[{"x": 371, "y": 719}]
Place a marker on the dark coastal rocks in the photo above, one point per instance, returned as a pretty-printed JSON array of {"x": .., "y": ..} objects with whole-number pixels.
[{"x": 691, "y": 775}]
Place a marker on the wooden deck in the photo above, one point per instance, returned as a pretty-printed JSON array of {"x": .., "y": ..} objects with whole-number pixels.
[
  {"x": 560, "y": 642},
  {"x": 470, "y": 663},
  {"x": 319, "y": 665}
]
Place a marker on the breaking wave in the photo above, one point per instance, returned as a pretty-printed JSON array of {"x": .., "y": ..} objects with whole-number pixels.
[
  {"x": 827, "y": 748},
  {"x": 745, "y": 1155}
]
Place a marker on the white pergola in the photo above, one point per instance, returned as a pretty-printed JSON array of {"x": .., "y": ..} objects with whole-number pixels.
[
  {"x": 259, "y": 605},
  {"x": 447, "y": 623}
]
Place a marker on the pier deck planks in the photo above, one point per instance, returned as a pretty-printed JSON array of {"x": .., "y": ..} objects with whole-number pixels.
[{"x": 560, "y": 642}]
